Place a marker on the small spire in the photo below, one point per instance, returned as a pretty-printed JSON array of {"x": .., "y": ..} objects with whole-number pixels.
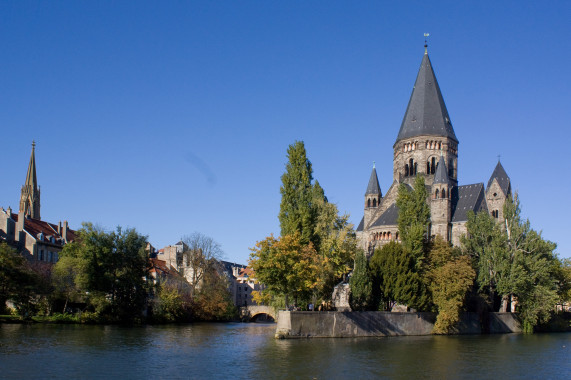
[
  {"x": 373, "y": 164},
  {"x": 441, "y": 175},
  {"x": 499, "y": 155},
  {"x": 426, "y": 43},
  {"x": 33, "y": 144}
]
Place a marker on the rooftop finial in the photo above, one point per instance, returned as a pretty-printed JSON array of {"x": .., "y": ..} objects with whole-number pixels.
[
  {"x": 499, "y": 155},
  {"x": 33, "y": 144},
  {"x": 426, "y": 43},
  {"x": 373, "y": 164}
]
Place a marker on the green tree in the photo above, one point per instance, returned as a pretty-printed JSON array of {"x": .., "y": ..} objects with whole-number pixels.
[
  {"x": 485, "y": 242},
  {"x": 361, "y": 284},
  {"x": 112, "y": 267},
  {"x": 286, "y": 266},
  {"x": 400, "y": 283},
  {"x": 336, "y": 249},
  {"x": 414, "y": 219},
  {"x": 17, "y": 281},
  {"x": 563, "y": 276},
  {"x": 65, "y": 276},
  {"x": 516, "y": 262},
  {"x": 172, "y": 302},
  {"x": 297, "y": 212},
  {"x": 451, "y": 276}
]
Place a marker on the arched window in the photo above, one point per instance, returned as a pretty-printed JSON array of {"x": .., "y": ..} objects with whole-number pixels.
[
  {"x": 437, "y": 194},
  {"x": 374, "y": 203},
  {"x": 443, "y": 193},
  {"x": 389, "y": 236},
  {"x": 397, "y": 236},
  {"x": 415, "y": 167},
  {"x": 406, "y": 170},
  {"x": 410, "y": 167},
  {"x": 427, "y": 167},
  {"x": 433, "y": 166},
  {"x": 451, "y": 168}
]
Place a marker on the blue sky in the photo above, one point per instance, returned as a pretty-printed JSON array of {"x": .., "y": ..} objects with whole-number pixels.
[{"x": 175, "y": 117}]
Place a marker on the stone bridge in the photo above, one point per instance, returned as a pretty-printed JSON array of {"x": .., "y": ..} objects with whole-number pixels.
[{"x": 253, "y": 312}]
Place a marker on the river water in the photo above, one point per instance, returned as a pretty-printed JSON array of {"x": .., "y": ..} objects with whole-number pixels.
[{"x": 249, "y": 351}]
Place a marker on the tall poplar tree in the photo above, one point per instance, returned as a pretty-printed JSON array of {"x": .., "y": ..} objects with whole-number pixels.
[
  {"x": 361, "y": 283},
  {"x": 297, "y": 213},
  {"x": 414, "y": 219}
]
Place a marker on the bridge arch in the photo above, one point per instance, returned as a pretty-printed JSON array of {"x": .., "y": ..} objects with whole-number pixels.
[{"x": 256, "y": 312}]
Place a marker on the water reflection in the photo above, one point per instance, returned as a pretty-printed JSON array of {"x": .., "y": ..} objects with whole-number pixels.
[{"x": 250, "y": 351}]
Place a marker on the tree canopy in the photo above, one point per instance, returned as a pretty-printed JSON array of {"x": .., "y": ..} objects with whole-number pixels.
[{"x": 414, "y": 219}]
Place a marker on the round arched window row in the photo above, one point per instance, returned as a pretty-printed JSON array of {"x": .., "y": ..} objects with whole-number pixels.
[{"x": 384, "y": 236}]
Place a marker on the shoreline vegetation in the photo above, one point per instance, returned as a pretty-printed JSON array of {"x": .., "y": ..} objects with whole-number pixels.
[{"x": 109, "y": 278}]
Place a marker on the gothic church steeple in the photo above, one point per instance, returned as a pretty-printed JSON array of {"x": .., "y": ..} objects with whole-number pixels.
[{"x": 30, "y": 196}]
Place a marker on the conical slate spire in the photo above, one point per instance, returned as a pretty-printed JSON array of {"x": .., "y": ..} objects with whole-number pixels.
[
  {"x": 373, "y": 187},
  {"x": 426, "y": 113},
  {"x": 502, "y": 177},
  {"x": 31, "y": 180},
  {"x": 441, "y": 175}
]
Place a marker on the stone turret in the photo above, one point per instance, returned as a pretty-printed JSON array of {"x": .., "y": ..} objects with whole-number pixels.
[
  {"x": 498, "y": 189},
  {"x": 373, "y": 196},
  {"x": 441, "y": 201},
  {"x": 30, "y": 196}
]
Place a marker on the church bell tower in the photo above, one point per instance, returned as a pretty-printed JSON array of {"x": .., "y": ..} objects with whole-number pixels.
[{"x": 30, "y": 196}]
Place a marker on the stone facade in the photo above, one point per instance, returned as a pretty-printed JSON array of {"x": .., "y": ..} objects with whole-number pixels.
[{"x": 427, "y": 146}]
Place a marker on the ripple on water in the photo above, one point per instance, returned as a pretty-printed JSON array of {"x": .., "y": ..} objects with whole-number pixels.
[{"x": 250, "y": 351}]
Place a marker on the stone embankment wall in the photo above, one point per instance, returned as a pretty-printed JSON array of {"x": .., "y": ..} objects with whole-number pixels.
[{"x": 335, "y": 324}]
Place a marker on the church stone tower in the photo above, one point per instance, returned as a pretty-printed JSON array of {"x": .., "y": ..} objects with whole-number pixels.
[
  {"x": 30, "y": 196},
  {"x": 426, "y": 132},
  {"x": 373, "y": 196},
  {"x": 498, "y": 189},
  {"x": 441, "y": 201}
]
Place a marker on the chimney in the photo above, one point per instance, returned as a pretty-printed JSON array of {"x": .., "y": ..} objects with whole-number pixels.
[
  {"x": 64, "y": 232},
  {"x": 59, "y": 228},
  {"x": 9, "y": 212}
]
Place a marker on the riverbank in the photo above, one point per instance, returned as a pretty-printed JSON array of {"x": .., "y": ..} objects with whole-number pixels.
[{"x": 335, "y": 324}]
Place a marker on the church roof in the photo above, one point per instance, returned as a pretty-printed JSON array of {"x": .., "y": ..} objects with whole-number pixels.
[
  {"x": 373, "y": 187},
  {"x": 467, "y": 198},
  {"x": 426, "y": 113},
  {"x": 441, "y": 175},
  {"x": 389, "y": 217},
  {"x": 361, "y": 225},
  {"x": 502, "y": 177}
]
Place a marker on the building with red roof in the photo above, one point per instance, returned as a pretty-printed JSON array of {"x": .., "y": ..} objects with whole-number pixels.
[{"x": 34, "y": 238}]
